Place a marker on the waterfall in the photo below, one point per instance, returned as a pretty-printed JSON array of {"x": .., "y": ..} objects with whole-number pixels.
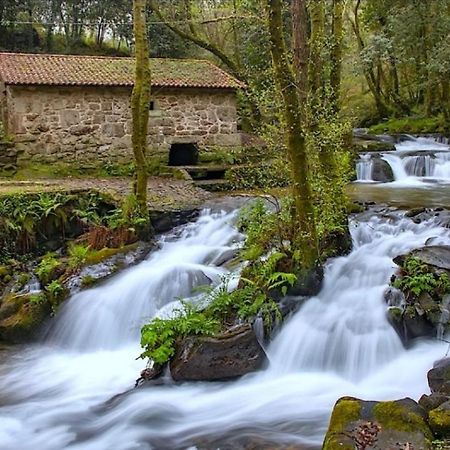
[
  {"x": 339, "y": 343},
  {"x": 364, "y": 167},
  {"x": 420, "y": 159}
]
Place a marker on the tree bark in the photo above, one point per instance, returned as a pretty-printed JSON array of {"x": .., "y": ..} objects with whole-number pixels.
[
  {"x": 303, "y": 214},
  {"x": 336, "y": 53},
  {"x": 140, "y": 103},
  {"x": 315, "y": 68},
  {"x": 300, "y": 47}
]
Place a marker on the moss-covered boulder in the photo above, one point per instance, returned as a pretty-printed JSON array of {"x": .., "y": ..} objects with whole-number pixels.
[
  {"x": 21, "y": 316},
  {"x": 370, "y": 425},
  {"x": 439, "y": 420},
  {"x": 208, "y": 358},
  {"x": 420, "y": 293}
]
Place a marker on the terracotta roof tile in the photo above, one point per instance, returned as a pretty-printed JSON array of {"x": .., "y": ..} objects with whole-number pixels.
[{"x": 71, "y": 70}]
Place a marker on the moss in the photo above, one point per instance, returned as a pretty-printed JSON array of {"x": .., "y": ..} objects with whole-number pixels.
[
  {"x": 346, "y": 411},
  {"x": 88, "y": 280},
  {"x": 395, "y": 314},
  {"x": 5, "y": 270},
  {"x": 22, "y": 325},
  {"x": 394, "y": 416},
  {"x": 413, "y": 125},
  {"x": 439, "y": 420},
  {"x": 97, "y": 256}
]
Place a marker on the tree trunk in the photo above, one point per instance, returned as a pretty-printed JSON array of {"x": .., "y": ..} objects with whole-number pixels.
[
  {"x": 315, "y": 68},
  {"x": 336, "y": 53},
  {"x": 303, "y": 214},
  {"x": 382, "y": 107},
  {"x": 300, "y": 47},
  {"x": 140, "y": 103}
]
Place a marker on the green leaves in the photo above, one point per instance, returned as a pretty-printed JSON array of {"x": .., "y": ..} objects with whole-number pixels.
[
  {"x": 159, "y": 336},
  {"x": 418, "y": 278}
]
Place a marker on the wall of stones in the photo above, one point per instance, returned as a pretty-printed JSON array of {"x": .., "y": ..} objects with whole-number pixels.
[{"x": 87, "y": 126}]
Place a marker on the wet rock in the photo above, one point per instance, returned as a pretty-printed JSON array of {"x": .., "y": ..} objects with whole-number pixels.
[
  {"x": 439, "y": 420},
  {"x": 394, "y": 297},
  {"x": 225, "y": 257},
  {"x": 290, "y": 305},
  {"x": 434, "y": 255},
  {"x": 433, "y": 401},
  {"x": 439, "y": 377},
  {"x": 307, "y": 285},
  {"x": 163, "y": 221},
  {"x": 149, "y": 374},
  {"x": 382, "y": 171},
  {"x": 230, "y": 355},
  {"x": 414, "y": 212},
  {"x": 377, "y": 425},
  {"x": 21, "y": 317},
  {"x": 336, "y": 243}
]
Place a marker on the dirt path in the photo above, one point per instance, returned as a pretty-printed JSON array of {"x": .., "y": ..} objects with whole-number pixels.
[{"x": 163, "y": 193}]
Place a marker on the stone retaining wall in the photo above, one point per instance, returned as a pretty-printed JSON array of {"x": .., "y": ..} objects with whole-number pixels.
[
  {"x": 86, "y": 126},
  {"x": 8, "y": 158}
]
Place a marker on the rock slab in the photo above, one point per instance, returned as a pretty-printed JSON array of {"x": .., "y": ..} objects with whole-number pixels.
[
  {"x": 372, "y": 425},
  {"x": 230, "y": 355}
]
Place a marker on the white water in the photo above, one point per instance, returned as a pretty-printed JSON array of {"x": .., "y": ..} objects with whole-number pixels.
[
  {"x": 415, "y": 161},
  {"x": 364, "y": 168},
  {"x": 338, "y": 344}
]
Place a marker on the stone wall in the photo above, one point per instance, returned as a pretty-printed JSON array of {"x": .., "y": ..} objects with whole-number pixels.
[
  {"x": 8, "y": 158},
  {"x": 87, "y": 126}
]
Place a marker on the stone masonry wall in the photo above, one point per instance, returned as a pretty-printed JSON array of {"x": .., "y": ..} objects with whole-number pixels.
[{"x": 87, "y": 126}]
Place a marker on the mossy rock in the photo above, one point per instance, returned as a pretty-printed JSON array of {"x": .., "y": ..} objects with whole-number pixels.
[
  {"x": 439, "y": 420},
  {"x": 392, "y": 424},
  {"x": 28, "y": 312},
  {"x": 346, "y": 413}
]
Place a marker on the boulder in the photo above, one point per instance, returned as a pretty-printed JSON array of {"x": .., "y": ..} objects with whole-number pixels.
[
  {"x": 433, "y": 255},
  {"x": 229, "y": 355},
  {"x": 21, "y": 317},
  {"x": 439, "y": 420},
  {"x": 382, "y": 171},
  {"x": 439, "y": 377},
  {"x": 433, "y": 401},
  {"x": 377, "y": 425}
]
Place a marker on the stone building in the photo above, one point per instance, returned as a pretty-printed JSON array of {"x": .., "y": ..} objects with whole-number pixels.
[{"x": 76, "y": 109}]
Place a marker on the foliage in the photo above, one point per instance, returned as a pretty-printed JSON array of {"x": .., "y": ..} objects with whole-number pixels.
[
  {"x": 418, "y": 278},
  {"x": 412, "y": 125},
  {"x": 37, "y": 299},
  {"x": 56, "y": 292},
  {"x": 47, "y": 267},
  {"x": 158, "y": 337},
  {"x": 78, "y": 255},
  {"x": 222, "y": 308},
  {"x": 28, "y": 220}
]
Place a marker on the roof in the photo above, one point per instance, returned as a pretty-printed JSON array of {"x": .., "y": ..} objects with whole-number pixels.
[{"x": 74, "y": 70}]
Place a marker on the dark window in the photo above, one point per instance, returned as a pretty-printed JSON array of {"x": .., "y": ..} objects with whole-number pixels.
[
  {"x": 183, "y": 155},
  {"x": 152, "y": 106}
]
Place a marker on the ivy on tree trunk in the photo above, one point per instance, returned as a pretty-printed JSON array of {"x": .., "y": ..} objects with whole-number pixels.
[
  {"x": 140, "y": 104},
  {"x": 303, "y": 211}
]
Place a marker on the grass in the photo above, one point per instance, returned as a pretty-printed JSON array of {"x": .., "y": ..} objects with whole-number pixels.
[{"x": 412, "y": 125}]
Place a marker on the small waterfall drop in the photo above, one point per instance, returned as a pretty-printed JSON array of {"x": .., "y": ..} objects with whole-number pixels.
[
  {"x": 421, "y": 159},
  {"x": 364, "y": 167}
]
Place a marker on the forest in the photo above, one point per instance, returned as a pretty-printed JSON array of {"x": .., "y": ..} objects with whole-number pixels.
[{"x": 225, "y": 224}]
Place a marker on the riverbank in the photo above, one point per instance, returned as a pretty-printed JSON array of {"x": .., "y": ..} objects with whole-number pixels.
[{"x": 163, "y": 193}]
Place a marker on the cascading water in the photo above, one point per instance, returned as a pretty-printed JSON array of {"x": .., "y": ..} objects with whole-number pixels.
[
  {"x": 415, "y": 160},
  {"x": 339, "y": 343},
  {"x": 364, "y": 167},
  {"x": 420, "y": 159}
]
